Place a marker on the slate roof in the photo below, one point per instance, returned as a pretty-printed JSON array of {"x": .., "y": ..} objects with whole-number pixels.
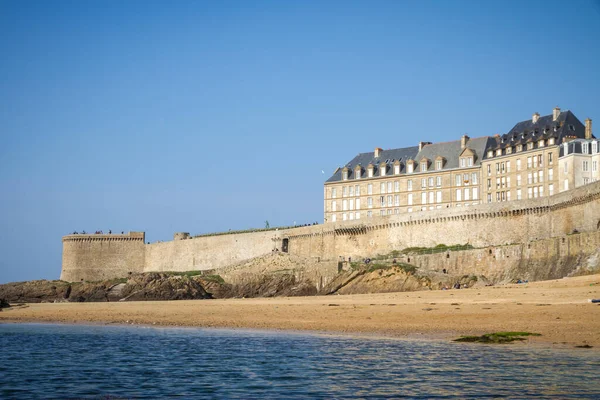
[
  {"x": 363, "y": 159},
  {"x": 451, "y": 151},
  {"x": 526, "y": 131},
  {"x": 576, "y": 146}
]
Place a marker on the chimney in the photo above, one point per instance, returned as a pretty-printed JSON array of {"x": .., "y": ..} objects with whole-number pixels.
[
  {"x": 463, "y": 141},
  {"x": 555, "y": 113},
  {"x": 535, "y": 117},
  {"x": 588, "y": 128},
  {"x": 378, "y": 151}
]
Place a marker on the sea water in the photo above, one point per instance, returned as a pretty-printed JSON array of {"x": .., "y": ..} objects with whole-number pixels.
[{"x": 78, "y": 361}]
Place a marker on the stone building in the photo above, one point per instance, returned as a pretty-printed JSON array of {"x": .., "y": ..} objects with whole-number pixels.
[
  {"x": 521, "y": 164},
  {"x": 578, "y": 161}
]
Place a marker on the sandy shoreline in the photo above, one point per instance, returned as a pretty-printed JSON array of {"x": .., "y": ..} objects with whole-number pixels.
[{"x": 558, "y": 309}]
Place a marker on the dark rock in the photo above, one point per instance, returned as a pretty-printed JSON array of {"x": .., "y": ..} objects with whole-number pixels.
[{"x": 4, "y": 304}]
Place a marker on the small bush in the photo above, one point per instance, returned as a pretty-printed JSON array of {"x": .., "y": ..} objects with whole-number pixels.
[{"x": 214, "y": 278}]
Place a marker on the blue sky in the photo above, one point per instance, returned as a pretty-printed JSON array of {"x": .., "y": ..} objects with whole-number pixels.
[{"x": 200, "y": 117}]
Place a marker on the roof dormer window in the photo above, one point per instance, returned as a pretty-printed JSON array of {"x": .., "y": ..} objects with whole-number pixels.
[
  {"x": 397, "y": 167},
  {"x": 519, "y": 147},
  {"x": 345, "y": 174},
  {"x": 357, "y": 172},
  {"x": 541, "y": 143},
  {"x": 439, "y": 164},
  {"x": 370, "y": 169},
  {"x": 551, "y": 141},
  {"x": 529, "y": 145},
  {"x": 490, "y": 154},
  {"x": 424, "y": 166},
  {"x": 382, "y": 169},
  {"x": 499, "y": 152},
  {"x": 594, "y": 147}
]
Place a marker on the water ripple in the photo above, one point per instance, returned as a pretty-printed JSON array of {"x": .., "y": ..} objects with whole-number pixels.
[{"x": 59, "y": 361}]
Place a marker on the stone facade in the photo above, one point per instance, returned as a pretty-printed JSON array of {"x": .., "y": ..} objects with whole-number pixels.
[{"x": 521, "y": 164}]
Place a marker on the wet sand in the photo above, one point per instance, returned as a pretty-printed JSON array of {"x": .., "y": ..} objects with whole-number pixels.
[{"x": 557, "y": 309}]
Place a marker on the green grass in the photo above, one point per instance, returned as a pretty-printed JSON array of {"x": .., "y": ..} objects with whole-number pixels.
[
  {"x": 184, "y": 273},
  {"x": 440, "y": 248},
  {"x": 214, "y": 278},
  {"x": 496, "y": 338}
]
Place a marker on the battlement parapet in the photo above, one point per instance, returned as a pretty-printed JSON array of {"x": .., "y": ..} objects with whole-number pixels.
[{"x": 95, "y": 237}]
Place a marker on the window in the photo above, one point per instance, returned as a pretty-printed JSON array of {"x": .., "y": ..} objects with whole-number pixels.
[
  {"x": 396, "y": 211},
  {"x": 509, "y": 150},
  {"x": 503, "y": 182},
  {"x": 370, "y": 188},
  {"x": 529, "y": 145},
  {"x": 535, "y": 162},
  {"x": 550, "y": 189},
  {"x": 585, "y": 166},
  {"x": 466, "y": 179},
  {"x": 541, "y": 190},
  {"x": 369, "y": 214},
  {"x": 389, "y": 187},
  {"x": 397, "y": 200},
  {"x": 550, "y": 141},
  {"x": 463, "y": 163},
  {"x": 497, "y": 183},
  {"x": 549, "y": 158},
  {"x": 334, "y": 205},
  {"x": 508, "y": 181},
  {"x": 423, "y": 183},
  {"x": 518, "y": 194},
  {"x": 410, "y": 199},
  {"x": 489, "y": 184},
  {"x": 566, "y": 167},
  {"x": 390, "y": 200},
  {"x": 382, "y": 201},
  {"x": 382, "y": 170},
  {"x": 424, "y": 198},
  {"x": 497, "y": 168},
  {"x": 594, "y": 147},
  {"x": 470, "y": 161},
  {"x": 540, "y": 160},
  {"x": 458, "y": 195},
  {"x": 357, "y": 190},
  {"x": 499, "y": 152},
  {"x": 351, "y": 204},
  {"x": 396, "y": 186},
  {"x": 584, "y": 148},
  {"x": 518, "y": 164},
  {"x": 358, "y": 204},
  {"x": 490, "y": 154},
  {"x": 345, "y": 175},
  {"x": 438, "y": 181},
  {"x": 508, "y": 166},
  {"x": 541, "y": 143},
  {"x": 529, "y": 162},
  {"x": 566, "y": 184},
  {"x": 438, "y": 195},
  {"x": 345, "y": 191},
  {"x": 529, "y": 179},
  {"x": 475, "y": 193},
  {"x": 382, "y": 188},
  {"x": 397, "y": 169},
  {"x": 489, "y": 198},
  {"x": 529, "y": 193},
  {"x": 519, "y": 180},
  {"x": 540, "y": 176},
  {"x": 357, "y": 215},
  {"x": 466, "y": 194},
  {"x": 370, "y": 172},
  {"x": 333, "y": 218},
  {"x": 409, "y": 185},
  {"x": 431, "y": 181},
  {"x": 345, "y": 205},
  {"x": 489, "y": 169},
  {"x": 550, "y": 174},
  {"x": 333, "y": 193},
  {"x": 351, "y": 191},
  {"x": 389, "y": 212},
  {"x": 535, "y": 192},
  {"x": 382, "y": 213},
  {"x": 594, "y": 166},
  {"x": 409, "y": 209},
  {"x": 431, "y": 197},
  {"x": 457, "y": 179},
  {"x": 438, "y": 164},
  {"x": 410, "y": 168},
  {"x": 535, "y": 177},
  {"x": 586, "y": 181},
  {"x": 423, "y": 166},
  {"x": 370, "y": 202},
  {"x": 357, "y": 173}
]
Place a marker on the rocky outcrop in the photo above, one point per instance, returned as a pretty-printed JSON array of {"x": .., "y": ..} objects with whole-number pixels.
[
  {"x": 3, "y": 304},
  {"x": 35, "y": 291}
]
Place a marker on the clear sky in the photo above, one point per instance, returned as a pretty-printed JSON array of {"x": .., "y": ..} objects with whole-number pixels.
[{"x": 208, "y": 116}]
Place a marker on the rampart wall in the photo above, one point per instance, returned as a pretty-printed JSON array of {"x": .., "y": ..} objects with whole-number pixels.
[
  {"x": 209, "y": 252},
  {"x": 483, "y": 225},
  {"x": 94, "y": 257}
]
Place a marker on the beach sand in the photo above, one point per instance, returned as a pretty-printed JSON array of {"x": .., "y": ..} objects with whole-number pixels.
[{"x": 557, "y": 309}]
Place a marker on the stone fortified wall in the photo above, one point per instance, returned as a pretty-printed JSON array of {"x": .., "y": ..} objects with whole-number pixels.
[{"x": 94, "y": 257}]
